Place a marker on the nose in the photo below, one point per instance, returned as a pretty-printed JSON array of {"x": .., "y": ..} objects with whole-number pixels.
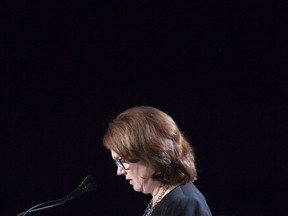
[{"x": 120, "y": 171}]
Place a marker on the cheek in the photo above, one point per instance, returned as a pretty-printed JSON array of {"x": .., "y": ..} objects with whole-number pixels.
[
  {"x": 139, "y": 172},
  {"x": 142, "y": 174},
  {"x": 135, "y": 175}
]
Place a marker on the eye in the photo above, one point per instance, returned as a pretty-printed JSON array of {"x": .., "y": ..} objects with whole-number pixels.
[{"x": 119, "y": 162}]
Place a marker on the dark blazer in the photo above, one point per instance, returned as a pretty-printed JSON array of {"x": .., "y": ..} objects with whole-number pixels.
[{"x": 184, "y": 200}]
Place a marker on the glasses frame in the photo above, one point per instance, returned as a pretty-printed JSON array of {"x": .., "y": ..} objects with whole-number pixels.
[{"x": 119, "y": 162}]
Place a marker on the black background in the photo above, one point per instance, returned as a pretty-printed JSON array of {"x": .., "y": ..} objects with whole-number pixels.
[{"x": 68, "y": 67}]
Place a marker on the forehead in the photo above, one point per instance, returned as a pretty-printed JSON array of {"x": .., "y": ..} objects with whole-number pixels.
[{"x": 114, "y": 155}]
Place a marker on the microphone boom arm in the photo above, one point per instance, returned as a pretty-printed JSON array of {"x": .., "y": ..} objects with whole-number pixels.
[{"x": 88, "y": 184}]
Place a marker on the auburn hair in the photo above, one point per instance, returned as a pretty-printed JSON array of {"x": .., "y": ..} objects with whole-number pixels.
[{"x": 150, "y": 135}]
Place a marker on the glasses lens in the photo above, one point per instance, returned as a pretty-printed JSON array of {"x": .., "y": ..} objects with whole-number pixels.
[{"x": 119, "y": 163}]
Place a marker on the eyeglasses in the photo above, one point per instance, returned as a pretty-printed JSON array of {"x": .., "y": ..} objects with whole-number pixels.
[{"x": 119, "y": 162}]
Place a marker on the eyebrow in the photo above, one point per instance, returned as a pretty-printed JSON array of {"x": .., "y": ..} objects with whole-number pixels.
[{"x": 116, "y": 158}]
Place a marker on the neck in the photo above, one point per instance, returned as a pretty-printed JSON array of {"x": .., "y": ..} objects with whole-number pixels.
[{"x": 159, "y": 194}]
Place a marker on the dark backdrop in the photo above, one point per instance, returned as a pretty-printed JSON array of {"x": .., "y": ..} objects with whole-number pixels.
[{"x": 68, "y": 67}]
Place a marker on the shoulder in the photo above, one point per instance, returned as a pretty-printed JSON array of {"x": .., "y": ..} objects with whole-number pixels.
[
  {"x": 185, "y": 199},
  {"x": 185, "y": 191}
]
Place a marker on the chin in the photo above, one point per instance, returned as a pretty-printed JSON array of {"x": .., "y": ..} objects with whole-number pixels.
[{"x": 137, "y": 189}]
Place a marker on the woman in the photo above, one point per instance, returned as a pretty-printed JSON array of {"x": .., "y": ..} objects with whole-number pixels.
[{"x": 154, "y": 156}]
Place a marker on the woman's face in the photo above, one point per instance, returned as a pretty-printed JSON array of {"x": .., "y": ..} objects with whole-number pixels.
[{"x": 138, "y": 174}]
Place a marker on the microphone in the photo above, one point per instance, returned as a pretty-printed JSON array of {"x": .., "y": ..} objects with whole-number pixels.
[{"x": 88, "y": 184}]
